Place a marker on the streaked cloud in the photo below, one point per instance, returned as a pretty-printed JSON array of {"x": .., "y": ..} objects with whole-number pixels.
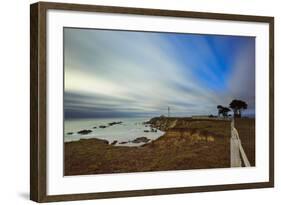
[{"x": 124, "y": 73}]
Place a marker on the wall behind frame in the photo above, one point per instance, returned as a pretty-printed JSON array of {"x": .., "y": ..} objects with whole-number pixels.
[{"x": 14, "y": 107}]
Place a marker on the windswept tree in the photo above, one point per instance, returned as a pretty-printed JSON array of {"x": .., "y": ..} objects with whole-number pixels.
[
  {"x": 223, "y": 111},
  {"x": 219, "y": 107},
  {"x": 237, "y": 106}
]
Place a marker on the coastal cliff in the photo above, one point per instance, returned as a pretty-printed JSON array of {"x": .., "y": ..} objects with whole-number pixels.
[
  {"x": 221, "y": 127},
  {"x": 165, "y": 123}
]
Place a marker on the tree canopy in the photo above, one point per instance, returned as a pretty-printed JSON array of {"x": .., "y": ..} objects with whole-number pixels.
[
  {"x": 237, "y": 106},
  {"x": 223, "y": 110}
]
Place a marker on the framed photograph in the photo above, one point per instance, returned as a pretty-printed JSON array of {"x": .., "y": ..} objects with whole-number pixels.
[{"x": 135, "y": 102}]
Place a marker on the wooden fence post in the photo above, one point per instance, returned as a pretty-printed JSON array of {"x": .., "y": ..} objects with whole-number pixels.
[{"x": 235, "y": 160}]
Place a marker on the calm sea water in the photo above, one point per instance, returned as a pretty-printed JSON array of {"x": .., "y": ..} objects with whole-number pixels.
[{"x": 128, "y": 130}]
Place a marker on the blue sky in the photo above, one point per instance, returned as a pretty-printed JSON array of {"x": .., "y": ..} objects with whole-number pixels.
[{"x": 139, "y": 74}]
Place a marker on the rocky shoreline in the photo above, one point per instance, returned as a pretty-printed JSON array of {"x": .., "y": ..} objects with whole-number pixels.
[
  {"x": 186, "y": 144},
  {"x": 137, "y": 140},
  {"x": 87, "y": 131}
]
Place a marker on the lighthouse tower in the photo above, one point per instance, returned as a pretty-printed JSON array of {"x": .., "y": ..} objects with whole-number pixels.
[{"x": 168, "y": 111}]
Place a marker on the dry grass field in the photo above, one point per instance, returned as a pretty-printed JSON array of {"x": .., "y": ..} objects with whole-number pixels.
[
  {"x": 186, "y": 144},
  {"x": 246, "y": 130}
]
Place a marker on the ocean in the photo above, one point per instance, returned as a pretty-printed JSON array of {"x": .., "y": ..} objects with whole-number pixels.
[{"x": 126, "y": 131}]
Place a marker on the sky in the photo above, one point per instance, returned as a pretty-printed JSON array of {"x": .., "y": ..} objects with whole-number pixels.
[{"x": 109, "y": 73}]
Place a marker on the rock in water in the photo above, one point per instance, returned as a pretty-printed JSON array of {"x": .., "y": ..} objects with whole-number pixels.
[
  {"x": 114, "y": 123},
  {"x": 84, "y": 132},
  {"x": 123, "y": 142},
  {"x": 153, "y": 130},
  {"x": 141, "y": 139},
  {"x": 114, "y": 142}
]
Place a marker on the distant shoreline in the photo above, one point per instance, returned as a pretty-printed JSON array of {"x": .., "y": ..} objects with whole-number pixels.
[
  {"x": 151, "y": 117},
  {"x": 125, "y": 132}
]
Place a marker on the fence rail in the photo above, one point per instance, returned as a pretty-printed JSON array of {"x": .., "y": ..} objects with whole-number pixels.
[{"x": 237, "y": 152}]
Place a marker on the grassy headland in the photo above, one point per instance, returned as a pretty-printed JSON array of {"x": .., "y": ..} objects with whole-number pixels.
[{"x": 187, "y": 144}]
